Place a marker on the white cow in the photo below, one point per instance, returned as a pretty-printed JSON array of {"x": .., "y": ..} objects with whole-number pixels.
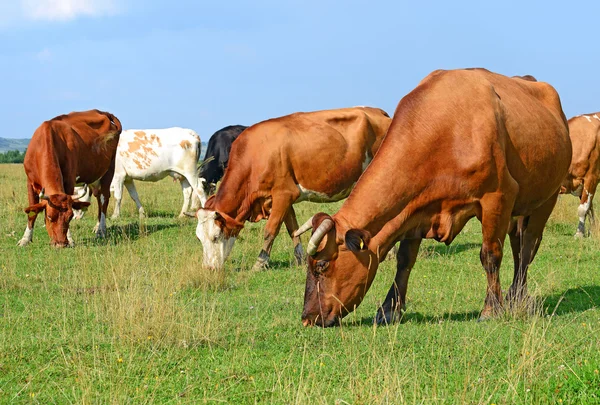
[{"x": 151, "y": 155}]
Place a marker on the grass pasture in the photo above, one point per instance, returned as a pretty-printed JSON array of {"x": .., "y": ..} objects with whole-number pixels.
[{"x": 135, "y": 319}]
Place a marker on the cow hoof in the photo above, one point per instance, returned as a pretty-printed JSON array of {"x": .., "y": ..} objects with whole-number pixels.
[
  {"x": 579, "y": 235},
  {"x": 114, "y": 216},
  {"x": 142, "y": 213},
  {"x": 388, "y": 316},
  {"x": 100, "y": 232},
  {"x": 260, "y": 265},
  {"x": 23, "y": 242}
]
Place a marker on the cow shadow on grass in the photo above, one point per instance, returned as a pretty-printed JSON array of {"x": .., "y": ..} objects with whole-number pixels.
[
  {"x": 418, "y": 317},
  {"x": 573, "y": 300},
  {"x": 118, "y": 234},
  {"x": 577, "y": 299},
  {"x": 443, "y": 250}
]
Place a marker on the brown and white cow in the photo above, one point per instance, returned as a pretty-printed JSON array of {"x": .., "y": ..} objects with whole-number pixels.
[
  {"x": 584, "y": 172},
  {"x": 70, "y": 149},
  {"x": 314, "y": 156},
  {"x": 462, "y": 144}
]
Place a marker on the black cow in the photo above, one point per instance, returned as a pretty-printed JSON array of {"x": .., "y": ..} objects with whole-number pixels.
[{"x": 217, "y": 156}]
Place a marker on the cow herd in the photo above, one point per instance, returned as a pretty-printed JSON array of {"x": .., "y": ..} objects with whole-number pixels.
[{"x": 463, "y": 144}]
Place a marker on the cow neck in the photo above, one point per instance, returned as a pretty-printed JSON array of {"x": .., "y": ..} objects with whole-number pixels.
[
  {"x": 49, "y": 169},
  {"x": 230, "y": 200},
  {"x": 377, "y": 205}
]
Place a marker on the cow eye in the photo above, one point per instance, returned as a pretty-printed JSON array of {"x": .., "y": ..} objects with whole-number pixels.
[{"x": 321, "y": 266}]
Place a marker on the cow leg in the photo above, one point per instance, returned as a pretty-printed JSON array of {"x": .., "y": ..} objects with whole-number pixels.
[
  {"x": 495, "y": 217},
  {"x": 134, "y": 196},
  {"x": 117, "y": 185},
  {"x": 525, "y": 240},
  {"x": 189, "y": 198},
  {"x": 395, "y": 301},
  {"x": 33, "y": 198},
  {"x": 291, "y": 224},
  {"x": 102, "y": 193},
  {"x": 585, "y": 205},
  {"x": 279, "y": 210},
  {"x": 70, "y": 238}
]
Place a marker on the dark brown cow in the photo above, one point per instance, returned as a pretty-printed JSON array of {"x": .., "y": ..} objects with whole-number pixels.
[
  {"x": 463, "y": 144},
  {"x": 584, "y": 172},
  {"x": 316, "y": 156},
  {"x": 79, "y": 147}
]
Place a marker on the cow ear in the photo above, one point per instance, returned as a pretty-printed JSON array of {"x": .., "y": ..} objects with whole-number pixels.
[
  {"x": 79, "y": 205},
  {"x": 226, "y": 222},
  {"x": 35, "y": 208},
  {"x": 357, "y": 240}
]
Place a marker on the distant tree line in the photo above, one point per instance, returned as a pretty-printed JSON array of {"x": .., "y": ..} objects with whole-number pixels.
[{"x": 12, "y": 156}]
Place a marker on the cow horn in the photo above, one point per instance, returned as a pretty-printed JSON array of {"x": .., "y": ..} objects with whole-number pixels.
[
  {"x": 189, "y": 214},
  {"x": 318, "y": 236},
  {"x": 43, "y": 196},
  {"x": 307, "y": 225},
  {"x": 76, "y": 197}
]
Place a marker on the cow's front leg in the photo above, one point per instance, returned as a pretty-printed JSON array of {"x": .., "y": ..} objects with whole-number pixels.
[
  {"x": 291, "y": 224},
  {"x": 31, "y": 217},
  {"x": 28, "y": 234},
  {"x": 279, "y": 210},
  {"x": 395, "y": 302}
]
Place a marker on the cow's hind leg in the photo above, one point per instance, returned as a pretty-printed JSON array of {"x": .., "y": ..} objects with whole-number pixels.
[
  {"x": 525, "y": 238},
  {"x": 279, "y": 210},
  {"x": 291, "y": 224},
  {"x": 496, "y": 211},
  {"x": 102, "y": 193},
  {"x": 186, "y": 189},
  {"x": 117, "y": 184},
  {"x": 135, "y": 197},
  {"x": 395, "y": 301},
  {"x": 31, "y": 217}
]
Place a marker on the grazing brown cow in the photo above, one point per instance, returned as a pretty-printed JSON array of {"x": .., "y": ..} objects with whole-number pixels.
[
  {"x": 463, "y": 144},
  {"x": 316, "y": 156},
  {"x": 584, "y": 172},
  {"x": 79, "y": 147}
]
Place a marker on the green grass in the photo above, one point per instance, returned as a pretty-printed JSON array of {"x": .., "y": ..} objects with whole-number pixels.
[{"x": 135, "y": 319}]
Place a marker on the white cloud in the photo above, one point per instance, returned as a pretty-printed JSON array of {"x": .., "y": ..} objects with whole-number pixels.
[
  {"x": 44, "y": 56},
  {"x": 65, "y": 10},
  {"x": 18, "y": 12}
]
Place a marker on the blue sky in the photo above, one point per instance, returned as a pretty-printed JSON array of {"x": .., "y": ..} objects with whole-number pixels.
[{"x": 208, "y": 64}]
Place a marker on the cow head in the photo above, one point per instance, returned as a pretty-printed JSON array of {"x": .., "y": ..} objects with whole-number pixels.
[
  {"x": 341, "y": 269},
  {"x": 217, "y": 233},
  {"x": 59, "y": 212}
]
